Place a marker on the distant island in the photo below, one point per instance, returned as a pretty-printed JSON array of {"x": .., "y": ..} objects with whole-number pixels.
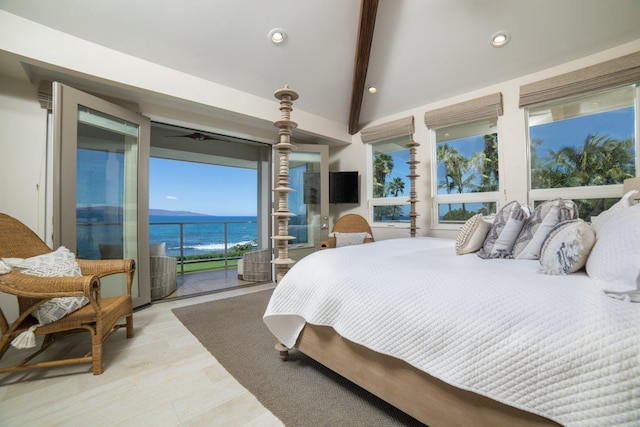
[{"x": 163, "y": 212}]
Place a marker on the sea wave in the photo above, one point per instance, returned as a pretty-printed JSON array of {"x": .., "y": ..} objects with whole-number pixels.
[{"x": 213, "y": 247}]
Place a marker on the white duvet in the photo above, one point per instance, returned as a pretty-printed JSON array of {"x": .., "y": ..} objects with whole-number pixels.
[{"x": 551, "y": 345}]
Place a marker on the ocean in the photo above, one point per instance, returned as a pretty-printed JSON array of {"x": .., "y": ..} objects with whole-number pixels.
[{"x": 201, "y": 234}]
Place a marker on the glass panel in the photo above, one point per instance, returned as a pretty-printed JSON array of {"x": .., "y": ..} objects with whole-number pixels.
[
  {"x": 390, "y": 168},
  {"x": 458, "y": 213},
  {"x": 583, "y": 142},
  {"x": 588, "y": 208},
  {"x": 106, "y": 187},
  {"x": 392, "y": 213},
  {"x": 467, "y": 158},
  {"x": 304, "y": 201}
]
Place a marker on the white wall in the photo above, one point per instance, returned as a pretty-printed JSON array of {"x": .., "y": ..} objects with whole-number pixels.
[
  {"x": 512, "y": 145},
  {"x": 23, "y": 131}
]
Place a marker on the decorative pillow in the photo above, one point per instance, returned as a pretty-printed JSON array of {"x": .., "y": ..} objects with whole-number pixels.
[
  {"x": 567, "y": 247},
  {"x": 621, "y": 204},
  {"x": 348, "y": 239},
  {"x": 544, "y": 217},
  {"x": 504, "y": 231},
  {"x": 472, "y": 235},
  {"x": 61, "y": 262},
  {"x": 613, "y": 263},
  {"x": 158, "y": 249}
]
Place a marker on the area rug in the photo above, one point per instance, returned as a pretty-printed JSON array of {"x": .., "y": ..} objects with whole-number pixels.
[{"x": 300, "y": 392}]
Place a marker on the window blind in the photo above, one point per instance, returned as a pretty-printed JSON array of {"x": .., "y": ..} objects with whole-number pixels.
[
  {"x": 606, "y": 75},
  {"x": 485, "y": 107},
  {"x": 396, "y": 128}
]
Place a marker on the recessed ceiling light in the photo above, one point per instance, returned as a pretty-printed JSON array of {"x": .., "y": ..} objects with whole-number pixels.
[
  {"x": 277, "y": 36},
  {"x": 500, "y": 38},
  {"x": 372, "y": 89}
]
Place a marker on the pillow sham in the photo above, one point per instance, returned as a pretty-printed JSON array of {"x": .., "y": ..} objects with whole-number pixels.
[
  {"x": 544, "y": 217},
  {"x": 504, "y": 231},
  {"x": 348, "y": 239},
  {"x": 624, "y": 202},
  {"x": 567, "y": 247},
  {"x": 472, "y": 234},
  {"x": 61, "y": 262},
  {"x": 613, "y": 263}
]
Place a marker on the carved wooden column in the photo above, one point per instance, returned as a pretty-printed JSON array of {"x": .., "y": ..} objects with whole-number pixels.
[
  {"x": 283, "y": 149},
  {"x": 412, "y": 176}
]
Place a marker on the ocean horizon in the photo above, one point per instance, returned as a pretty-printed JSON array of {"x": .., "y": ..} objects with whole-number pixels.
[{"x": 201, "y": 234}]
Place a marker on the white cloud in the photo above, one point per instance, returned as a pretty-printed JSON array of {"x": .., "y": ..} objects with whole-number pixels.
[{"x": 172, "y": 198}]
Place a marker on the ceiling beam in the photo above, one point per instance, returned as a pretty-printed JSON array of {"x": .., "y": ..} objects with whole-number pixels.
[{"x": 363, "y": 50}]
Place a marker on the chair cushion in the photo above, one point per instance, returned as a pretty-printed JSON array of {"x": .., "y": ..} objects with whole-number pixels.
[
  {"x": 348, "y": 239},
  {"x": 61, "y": 262}
]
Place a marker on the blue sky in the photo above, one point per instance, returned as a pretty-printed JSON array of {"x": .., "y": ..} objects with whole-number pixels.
[{"x": 213, "y": 190}]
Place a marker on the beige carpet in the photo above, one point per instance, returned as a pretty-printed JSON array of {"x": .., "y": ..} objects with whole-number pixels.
[{"x": 300, "y": 392}]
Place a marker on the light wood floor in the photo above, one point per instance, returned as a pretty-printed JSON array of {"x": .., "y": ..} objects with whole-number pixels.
[{"x": 161, "y": 377}]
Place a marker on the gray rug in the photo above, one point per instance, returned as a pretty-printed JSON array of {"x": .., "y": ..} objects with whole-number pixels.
[{"x": 300, "y": 392}]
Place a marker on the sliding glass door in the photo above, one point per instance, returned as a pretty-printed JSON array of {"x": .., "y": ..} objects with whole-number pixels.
[{"x": 100, "y": 202}]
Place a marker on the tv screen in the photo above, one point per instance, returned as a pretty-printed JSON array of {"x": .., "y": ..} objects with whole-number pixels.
[{"x": 343, "y": 187}]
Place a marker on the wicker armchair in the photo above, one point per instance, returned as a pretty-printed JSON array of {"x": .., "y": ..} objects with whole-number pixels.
[
  {"x": 99, "y": 317},
  {"x": 351, "y": 223}
]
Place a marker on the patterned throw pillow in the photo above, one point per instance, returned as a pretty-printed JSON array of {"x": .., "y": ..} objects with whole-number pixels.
[
  {"x": 613, "y": 263},
  {"x": 504, "y": 231},
  {"x": 348, "y": 239},
  {"x": 61, "y": 262},
  {"x": 567, "y": 247},
  {"x": 472, "y": 235},
  {"x": 545, "y": 216},
  {"x": 624, "y": 202}
]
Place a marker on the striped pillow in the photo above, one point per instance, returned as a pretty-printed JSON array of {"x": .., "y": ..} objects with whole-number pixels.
[{"x": 472, "y": 234}]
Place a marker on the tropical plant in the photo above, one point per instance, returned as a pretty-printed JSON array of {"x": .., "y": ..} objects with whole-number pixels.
[{"x": 382, "y": 167}]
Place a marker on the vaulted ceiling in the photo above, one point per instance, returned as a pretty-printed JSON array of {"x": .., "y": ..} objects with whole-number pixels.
[{"x": 420, "y": 50}]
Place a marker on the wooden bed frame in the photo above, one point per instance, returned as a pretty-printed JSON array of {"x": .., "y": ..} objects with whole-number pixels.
[{"x": 420, "y": 395}]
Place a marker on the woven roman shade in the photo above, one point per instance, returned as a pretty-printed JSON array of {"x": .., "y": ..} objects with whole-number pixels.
[
  {"x": 400, "y": 127},
  {"x": 485, "y": 107},
  {"x": 616, "y": 72}
]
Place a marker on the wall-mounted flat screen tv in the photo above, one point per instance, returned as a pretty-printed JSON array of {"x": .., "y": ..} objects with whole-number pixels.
[{"x": 343, "y": 187}]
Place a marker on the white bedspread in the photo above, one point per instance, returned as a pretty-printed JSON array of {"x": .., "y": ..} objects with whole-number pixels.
[{"x": 551, "y": 345}]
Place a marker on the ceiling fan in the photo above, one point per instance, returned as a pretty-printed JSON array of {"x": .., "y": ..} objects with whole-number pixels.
[{"x": 195, "y": 135}]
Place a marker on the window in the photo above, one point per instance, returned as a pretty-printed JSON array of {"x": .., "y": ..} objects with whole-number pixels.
[
  {"x": 583, "y": 148},
  {"x": 466, "y": 178},
  {"x": 390, "y": 185}
]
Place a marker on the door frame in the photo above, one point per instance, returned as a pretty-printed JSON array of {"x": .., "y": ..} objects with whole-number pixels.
[{"x": 65, "y": 131}]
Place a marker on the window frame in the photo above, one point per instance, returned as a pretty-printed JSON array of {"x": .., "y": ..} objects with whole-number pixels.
[
  {"x": 384, "y": 201},
  {"x": 478, "y": 197},
  {"x": 583, "y": 192}
]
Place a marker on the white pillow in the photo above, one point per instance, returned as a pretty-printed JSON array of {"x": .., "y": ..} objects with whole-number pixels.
[
  {"x": 158, "y": 249},
  {"x": 621, "y": 204},
  {"x": 567, "y": 247},
  {"x": 504, "y": 231},
  {"x": 61, "y": 262},
  {"x": 535, "y": 230},
  {"x": 614, "y": 262},
  {"x": 472, "y": 234},
  {"x": 348, "y": 239}
]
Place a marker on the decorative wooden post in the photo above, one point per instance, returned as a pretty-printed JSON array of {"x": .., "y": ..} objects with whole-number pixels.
[
  {"x": 283, "y": 149},
  {"x": 412, "y": 176}
]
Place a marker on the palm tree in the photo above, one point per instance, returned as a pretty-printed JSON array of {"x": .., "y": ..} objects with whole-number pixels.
[
  {"x": 395, "y": 188},
  {"x": 455, "y": 166},
  {"x": 600, "y": 160},
  {"x": 382, "y": 167}
]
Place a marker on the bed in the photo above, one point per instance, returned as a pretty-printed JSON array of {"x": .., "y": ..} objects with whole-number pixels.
[{"x": 460, "y": 340}]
